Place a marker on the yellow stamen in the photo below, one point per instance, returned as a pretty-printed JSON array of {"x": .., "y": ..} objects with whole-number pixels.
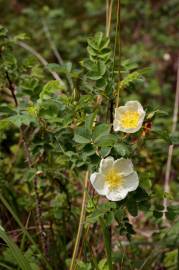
[
  {"x": 129, "y": 119},
  {"x": 113, "y": 179}
]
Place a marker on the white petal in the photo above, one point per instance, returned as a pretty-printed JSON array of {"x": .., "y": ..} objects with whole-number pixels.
[
  {"x": 106, "y": 164},
  {"x": 98, "y": 182},
  {"x": 131, "y": 182},
  {"x": 116, "y": 125},
  {"x": 119, "y": 127},
  {"x": 133, "y": 130},
  {"x": 124, "y": 166},
  {"x": 142, "y": 116},
  {"x": 134, "y": 106},
  {"x": 120, "y": 110},
  {"x": 117, "y": 195}
]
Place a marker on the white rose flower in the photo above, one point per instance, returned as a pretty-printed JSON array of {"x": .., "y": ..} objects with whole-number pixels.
[
  {"x": 115, "y": 178},
  {"x": 129, "y": 118}
]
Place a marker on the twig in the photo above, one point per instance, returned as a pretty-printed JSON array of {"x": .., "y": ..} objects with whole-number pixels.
[
  {"x": 39, "y": 217},
  {"x": 29, "y": 162},
  {"x": 170, "y": 149},
  {"x": 11, "y": 88},
  {"x": 80, "y": 226},
  {"x": 40, "y": 58},
  {"x": 31, "y": 228},
  {"x": 55, "y": 51}
]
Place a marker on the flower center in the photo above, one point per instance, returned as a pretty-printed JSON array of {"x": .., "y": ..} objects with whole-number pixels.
[
  {"x": 113, "y": 179},
  {"x": 129, "y": 119}
]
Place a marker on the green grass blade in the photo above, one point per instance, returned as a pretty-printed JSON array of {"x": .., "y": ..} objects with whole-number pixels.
[
  {"x": 6, "y": 266},
  {"x": 16, "y": 252},
  {"x": 6, "y": 204},
  {"x": 107, "y": 243}
]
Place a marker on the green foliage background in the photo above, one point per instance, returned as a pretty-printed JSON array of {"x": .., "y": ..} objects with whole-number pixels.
[{"x": 56, "y": 118}]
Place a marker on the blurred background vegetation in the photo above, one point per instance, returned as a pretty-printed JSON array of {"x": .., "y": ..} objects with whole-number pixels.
[{"x": 58, "y": 32}]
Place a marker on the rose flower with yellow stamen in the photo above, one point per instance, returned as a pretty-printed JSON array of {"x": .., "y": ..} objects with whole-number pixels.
[
  {"x": 115, "y": 178},
  {"x": 129, "y": 118}
]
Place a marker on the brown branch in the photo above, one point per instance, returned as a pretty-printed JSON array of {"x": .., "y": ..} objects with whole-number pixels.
[
  {"x": 55, "y": 51},
  {"x": 40, "y": 58},
  {"x": 11, "y": 88},
  {"x": 30, "y": 165}
]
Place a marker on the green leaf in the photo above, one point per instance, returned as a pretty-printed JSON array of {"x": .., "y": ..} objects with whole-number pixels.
[
  {"x": 132, "y": 206},
  {"x": 131, "y": 78},
  {"x": 174, "y": 137},
  {"x": 102, "y": 265},
  {"x": 106, "y": 140},
  {"x": 83, "y": 266},
  {"x": 100, "y": 130},
  {"x": 122, "y": 149},
  {"x": 51, "y": 87},
  {"x": 80, "y": 139},
  {"x": 172, "y": 212},
  {"x": 62, "y": 69},
  {"x": 95, "y": 42},
  {"x": 140, "y": 195},
  {"x": 105, "y": 151},
  {"x": 97, "y": 71},
  {"x": 119, "y": 214},
  {"x": 145, "y": 181},
  {"x": 82, "y": 136},
  {"x": 174, "y": 230},
  {"x": 21, "y": 119},
  {"x": 3, "y": 31},
  {"x": 152, "y": 114},
  {"x": 89, "y": 121},
  {"x": 157, "y": 214},
  {"x": 109, "y": 218},
  {"x": 100, "y": 211}
]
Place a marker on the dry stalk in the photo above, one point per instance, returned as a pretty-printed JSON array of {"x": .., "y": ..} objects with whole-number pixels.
[
  {"x": 170, "y": 149},
  {"x": 81, "y": 223}
]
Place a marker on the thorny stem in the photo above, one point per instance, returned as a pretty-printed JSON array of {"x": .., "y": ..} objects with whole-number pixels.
[
  {"x": 12, "y": 88},
  {"x": 29, "y": 162},
  {"x": 81, "y": 221},
  {"x": 170, "y": 149},
  {"x": 40, "y": 58},
  {"x": 55, "y": 51}
]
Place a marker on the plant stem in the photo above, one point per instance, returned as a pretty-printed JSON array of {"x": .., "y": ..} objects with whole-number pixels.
[
  {"x": 56, "y": 52},
  {"x": 81, "y": 222},
  {"x": 107, "y": 243},
  {"x": 118, "y": 30},
  {"x": 39, "y": 57},
  {"x": 170, "y": 149},
  {"x": 30, "y": 165}
]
